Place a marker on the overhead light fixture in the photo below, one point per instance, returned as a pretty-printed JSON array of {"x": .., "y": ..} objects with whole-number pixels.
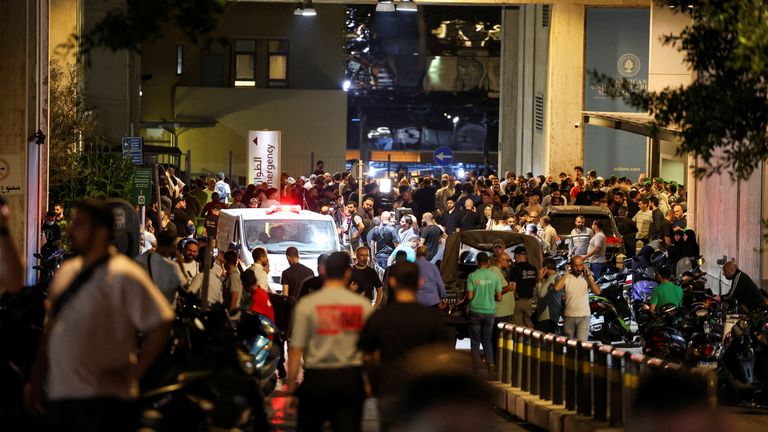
[
  {"x": 407, "y": 6},
  {"x": 385, "y": 6},
  {"x": 307, "y": 9}
]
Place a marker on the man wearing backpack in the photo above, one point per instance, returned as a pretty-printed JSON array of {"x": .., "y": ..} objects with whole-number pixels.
[
  {"x": 383, "y": 240},
  {"x": 99, "y": 302}
]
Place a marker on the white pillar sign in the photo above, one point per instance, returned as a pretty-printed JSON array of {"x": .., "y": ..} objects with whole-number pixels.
[{"x": 264, "y": 157}]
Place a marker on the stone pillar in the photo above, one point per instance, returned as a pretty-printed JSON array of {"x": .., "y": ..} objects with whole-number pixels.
[
  {"x": 510, "y": 101},
  {"x": 564, "y": 137},
  {"x": 24, "y": 110},
  {"x": 523, "y": 76}
]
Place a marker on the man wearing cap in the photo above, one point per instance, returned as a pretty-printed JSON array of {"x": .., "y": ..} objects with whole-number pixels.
[
  {"x": 222, "y": 187},
  {"x": 523, "y": 280}
]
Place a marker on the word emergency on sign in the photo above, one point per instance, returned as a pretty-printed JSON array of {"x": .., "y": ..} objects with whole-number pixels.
[{"x": 264, "y": 157}]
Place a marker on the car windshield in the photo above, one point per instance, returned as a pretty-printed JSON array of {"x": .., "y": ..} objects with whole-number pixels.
[
  {"x": 564, "y": 223},
  {"x": 308, "y": 236}
]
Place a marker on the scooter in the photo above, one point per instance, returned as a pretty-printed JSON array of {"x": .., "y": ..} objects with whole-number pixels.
[
  {"x": 661, "y": 337},
  {"x": 207, "y": 378}
]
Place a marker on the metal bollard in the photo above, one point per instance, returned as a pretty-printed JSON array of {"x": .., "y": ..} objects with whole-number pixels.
[
  {"x": 571, "y": 351},
  {"x": 545, "y": 382},
  {"x": 558, "y": 370},
  {"x": 632, "y": 364},
  {"x": 600, "y": 379},
  {"x": 506, "y": 367},
  {"x": 584, "y": 378},
  {"x": 535, "y": 361},
  {"x": 617, "y": 393},
  {"x": 500, "y": 350},
  {"x": 525, "y": 384},
  {"x": 517, "y": 374}
]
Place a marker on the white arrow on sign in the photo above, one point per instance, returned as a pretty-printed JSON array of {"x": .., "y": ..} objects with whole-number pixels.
[{"x": 442, "y": 156}]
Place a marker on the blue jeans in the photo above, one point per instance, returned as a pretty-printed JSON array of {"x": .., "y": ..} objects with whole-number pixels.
[
  {"x": 597, "y": 269},
  {"x": 382, "y": 261},
  {"x": 481, "y": 331}
]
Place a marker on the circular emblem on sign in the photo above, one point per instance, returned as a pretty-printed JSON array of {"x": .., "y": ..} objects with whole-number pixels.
[
  {"x": 5, "y": 169},
  {"x": 628, "y": 65}
]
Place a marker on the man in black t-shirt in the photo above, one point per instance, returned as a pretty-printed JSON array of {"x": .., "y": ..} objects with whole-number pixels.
[
  {"x": 403, "y": 326},
  {"x": 430, "y": 235},
  {"x": 523, "y": 277},
  {"x": 295, "y": 274},
  {"x": 383, "y": 239},
  {"x": 314, "y": 283},
  {"x": 364, "y": 279},
  {"x": 212, "y": 221},
  {"x": 51, "y": 230}
]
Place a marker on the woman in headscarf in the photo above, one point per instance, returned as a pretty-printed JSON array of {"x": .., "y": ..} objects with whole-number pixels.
[{"x": 690, "y": 247}]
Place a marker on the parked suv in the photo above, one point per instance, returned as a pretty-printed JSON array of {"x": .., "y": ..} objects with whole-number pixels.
[{"x": 563, "y": 220}]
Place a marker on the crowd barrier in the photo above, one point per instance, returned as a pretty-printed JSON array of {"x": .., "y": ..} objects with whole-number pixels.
[{"x": 589, "y": 379}]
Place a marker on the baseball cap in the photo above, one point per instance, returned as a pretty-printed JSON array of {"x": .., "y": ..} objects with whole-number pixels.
[
  {"x": 531, "y": 228},
  {"x": 499, "y": 243},
  {"x": 290, "y": 180},
  {"x": 520, "y": 250}
]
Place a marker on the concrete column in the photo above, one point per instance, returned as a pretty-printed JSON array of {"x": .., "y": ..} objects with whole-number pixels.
[
  {"x": 523, "y": 75},
  {"x": 510, "y": 102},
  {"x": 23, "y": 110},
  {"x": 564, "y": 137}
]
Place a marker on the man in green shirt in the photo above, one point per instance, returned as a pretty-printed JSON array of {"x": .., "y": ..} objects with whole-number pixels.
[
  {"x": 665, "y": 292},
  {"x": 483, "y": 291}
]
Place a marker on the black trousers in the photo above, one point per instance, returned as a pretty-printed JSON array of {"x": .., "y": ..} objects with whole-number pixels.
[
  {"x": 93, "y": 415},
  {"x": 335, "y": 395}
]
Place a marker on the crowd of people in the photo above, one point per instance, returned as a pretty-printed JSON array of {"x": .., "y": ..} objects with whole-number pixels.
[{"x": 367, "y": 308}]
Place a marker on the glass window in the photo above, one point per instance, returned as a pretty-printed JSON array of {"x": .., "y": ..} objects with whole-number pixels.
[
  {"x": 278, "y": 67},
  {"x": 278, "y": 63},
  {"x": 245, "y": 63},
  {"x": 308, "y": 236}
]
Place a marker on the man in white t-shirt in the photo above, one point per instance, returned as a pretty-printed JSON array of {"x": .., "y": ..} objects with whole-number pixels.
[
  {"x": 576, "y": 281},
  {"x": 596, "y": 250},
  {"x": 222, "y": 187},
  {"x": 99, "y": 301}
]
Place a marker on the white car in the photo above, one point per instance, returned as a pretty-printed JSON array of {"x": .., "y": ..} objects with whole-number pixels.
[{"x": 276, "y": 229}]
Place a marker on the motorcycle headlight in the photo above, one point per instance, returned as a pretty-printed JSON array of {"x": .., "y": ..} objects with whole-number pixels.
[{"x": 701, "y": 313}]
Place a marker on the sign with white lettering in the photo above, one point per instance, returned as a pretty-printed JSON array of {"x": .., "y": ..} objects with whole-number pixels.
[
  {"x": 11, "y": 181},
  {"x": 617, "y": 45},
  {"x": 264, "y": 157}
]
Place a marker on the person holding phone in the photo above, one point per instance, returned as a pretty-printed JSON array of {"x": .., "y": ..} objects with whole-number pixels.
[{"x": 576, "y": 282}]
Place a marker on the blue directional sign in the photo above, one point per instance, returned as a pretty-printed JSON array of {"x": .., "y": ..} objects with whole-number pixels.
[
  {"x": 443, "y": 156},
  {"x": 133, "y": 148}
]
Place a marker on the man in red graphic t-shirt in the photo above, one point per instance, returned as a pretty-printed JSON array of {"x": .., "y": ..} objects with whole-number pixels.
[{"x": 326, "y": 327}]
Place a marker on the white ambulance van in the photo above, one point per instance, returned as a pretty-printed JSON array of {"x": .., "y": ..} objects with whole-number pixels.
[{"x": 276, "y": 229}]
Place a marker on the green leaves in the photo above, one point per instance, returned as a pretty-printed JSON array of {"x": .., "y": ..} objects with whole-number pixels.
[
  {"x": 148, "y": 20},
  {"x": 82, "y": 162}
]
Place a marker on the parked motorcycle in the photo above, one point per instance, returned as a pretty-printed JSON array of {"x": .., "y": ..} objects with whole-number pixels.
[
  {"x": 744, "y": 364},
  {"x": 50, "y": 258},
  {"x": 661, "y": 337},
  {"x": 703, "y": 330},
  {"x": 208, "y": 377}
]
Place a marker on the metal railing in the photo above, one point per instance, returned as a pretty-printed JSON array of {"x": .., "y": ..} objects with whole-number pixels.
[{"x": 591, "y": 379}]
